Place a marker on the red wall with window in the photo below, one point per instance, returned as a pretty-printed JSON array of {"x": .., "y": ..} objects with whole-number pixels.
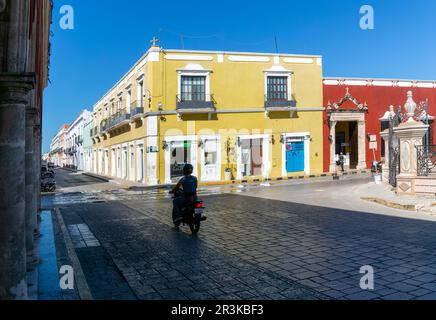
[{"x": 378, "y": 99}]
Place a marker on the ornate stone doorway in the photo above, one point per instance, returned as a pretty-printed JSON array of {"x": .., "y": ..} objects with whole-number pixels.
[{"x": 347, "y": 132}]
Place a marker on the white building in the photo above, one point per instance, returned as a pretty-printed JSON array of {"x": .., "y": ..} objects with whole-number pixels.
[
  {"x": 87, "y": 146},
  {"x": 54, "y": 148},
  {"x": 74, "y": 138}
]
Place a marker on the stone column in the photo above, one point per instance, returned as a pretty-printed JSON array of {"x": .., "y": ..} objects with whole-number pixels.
[
  {"x": 361, "y": 127},
  {"x": 332, "y": 146},
  {"x": 385, "y": 167},
  {"x": 14, "y": 89},
  {"x": 37, "y": 164},
  {"x": 410, "y": 134},
  {"x": 31, "y": 206}
]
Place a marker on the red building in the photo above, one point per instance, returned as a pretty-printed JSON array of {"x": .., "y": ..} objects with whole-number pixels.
[{"x": 357, "y": 111}]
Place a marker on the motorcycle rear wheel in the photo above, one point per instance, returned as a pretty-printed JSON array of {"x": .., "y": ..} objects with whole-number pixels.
[{"x": 195, "y": 227}]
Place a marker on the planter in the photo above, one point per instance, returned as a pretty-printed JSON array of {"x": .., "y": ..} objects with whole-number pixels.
[{"x": 227, "y": 175}]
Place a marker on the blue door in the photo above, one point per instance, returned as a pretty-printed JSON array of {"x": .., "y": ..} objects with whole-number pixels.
[{"x": 295, "y": 156}]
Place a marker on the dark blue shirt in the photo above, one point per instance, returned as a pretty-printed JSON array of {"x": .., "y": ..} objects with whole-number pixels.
[{"x": 189, "y": 184}]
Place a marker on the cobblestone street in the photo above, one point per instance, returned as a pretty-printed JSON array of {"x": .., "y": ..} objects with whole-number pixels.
[{"x": 250, "y": 248}]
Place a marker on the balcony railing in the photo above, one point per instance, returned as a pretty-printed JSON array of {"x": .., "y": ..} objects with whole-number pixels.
[
  {"x": 136, "y": 109},
  {"x": 104, "y": 126},
  {"x": 118, "y": 119},
  {"x": 195, "y": 103},
  {"x": 426, "y": 160},
  {"x": 280, "y": 102},
  {"x": 95, "y": 131}
]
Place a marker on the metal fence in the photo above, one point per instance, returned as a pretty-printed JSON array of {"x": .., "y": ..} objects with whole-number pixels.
[{"x": 426, "y": 159}]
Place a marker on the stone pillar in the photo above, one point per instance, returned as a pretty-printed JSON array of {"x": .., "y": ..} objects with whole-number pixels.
[
  {"x": 31, "y": 205},
  {"x": 14, "y": 89},
  {"x": 361, "y": 127},
  {"x": 332, "y": 146},
  {"x": 37, "y": 153},
  {"x": 385, "y": 167},
  {"x": 410, "y": 134}
]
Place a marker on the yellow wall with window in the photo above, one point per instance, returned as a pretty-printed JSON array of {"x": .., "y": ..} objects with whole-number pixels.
[{"x": 237, "y": 83}]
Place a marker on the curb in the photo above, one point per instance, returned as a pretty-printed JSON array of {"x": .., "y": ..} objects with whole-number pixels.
[
  {"x": 139, "y": 188},
  {"x": 235, "y": 181},
  {"x": 68, "y": 169},
  {"x": 296, "y": 177},
  {"x": 104, "y": 179},
  {"x": 79, "y": 276},
  {"x": 394, "y": 205}
]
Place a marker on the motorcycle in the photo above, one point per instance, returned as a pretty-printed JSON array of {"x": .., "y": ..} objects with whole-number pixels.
[
  {"x": 192, "y": 213},
  {"x": 48, "y": 185}
]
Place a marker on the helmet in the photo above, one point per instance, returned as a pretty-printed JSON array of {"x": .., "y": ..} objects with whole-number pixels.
[{"x": 188, "y": 169}]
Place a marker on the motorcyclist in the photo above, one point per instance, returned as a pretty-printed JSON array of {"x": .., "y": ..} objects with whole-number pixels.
[{"x": 188, "y": 184}]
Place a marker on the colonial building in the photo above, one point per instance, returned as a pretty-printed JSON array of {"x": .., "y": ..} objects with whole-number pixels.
[
  {"x": 87, "y": 144},
  {"x": 357, "y": 110},
  {"x": 62, "y": 146},
  {"x": 54, "y": 150},
  {"x": 24, "y": 58},
  {"x": 232, "y": 115},
  {"x": 74, "y": 139}
]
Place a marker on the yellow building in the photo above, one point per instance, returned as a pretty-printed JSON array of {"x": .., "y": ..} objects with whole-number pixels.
[{"x": 234, "y": 116}]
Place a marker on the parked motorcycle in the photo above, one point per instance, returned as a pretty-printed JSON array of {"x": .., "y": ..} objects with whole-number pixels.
[
  {"x": 48, "y": 184},
  {"x": 192, "y": 213},
  {"x": 46, "y": 170}
]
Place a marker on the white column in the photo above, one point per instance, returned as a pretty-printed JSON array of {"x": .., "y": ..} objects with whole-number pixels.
[
  {"x": 361, "y": 127},
  {"x": 332, "y": 146},
  {"x": 410, "y": 135},
  {"x": 385, "y": 168}
]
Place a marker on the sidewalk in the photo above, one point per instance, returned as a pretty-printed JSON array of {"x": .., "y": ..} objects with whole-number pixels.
[
  {"x": 136, "y": 186},
  {"x": 385, "y": 195}
]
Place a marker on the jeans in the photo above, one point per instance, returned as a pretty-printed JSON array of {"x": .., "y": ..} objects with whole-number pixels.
[{"x": 178, "y": 204}]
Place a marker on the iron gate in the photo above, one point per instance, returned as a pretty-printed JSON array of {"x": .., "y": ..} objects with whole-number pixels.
[{"x": 394, "y": 147}]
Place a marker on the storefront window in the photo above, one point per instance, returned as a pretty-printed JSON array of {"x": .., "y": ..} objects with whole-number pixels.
[
  {"x": 251, "y": 152},
  {"x": 180, "y": 155}
]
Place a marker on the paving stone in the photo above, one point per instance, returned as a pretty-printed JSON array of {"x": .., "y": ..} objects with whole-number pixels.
[
  {"x": 364, "y": 295},
  {"x": 429, "y": 296},
  {"x": 237, "y": 254},
  {"x": 398, "y": 296}
]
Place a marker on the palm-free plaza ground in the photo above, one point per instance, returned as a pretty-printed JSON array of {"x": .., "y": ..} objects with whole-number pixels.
[{"x": 303, "y": 239}]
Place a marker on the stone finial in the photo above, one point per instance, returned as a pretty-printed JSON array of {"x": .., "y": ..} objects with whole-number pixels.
[{"x": 410, "y": 106}]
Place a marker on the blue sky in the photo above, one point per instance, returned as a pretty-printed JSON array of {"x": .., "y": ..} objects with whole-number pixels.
[{"x": 111, "y": 35}]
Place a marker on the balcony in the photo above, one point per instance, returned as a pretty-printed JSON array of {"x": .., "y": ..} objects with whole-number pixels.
[
  {"x": 119, "y": 119},
  {"x": 95, "y": 132},
  {"x": 104, "y": 126},
  {"x": 282, "y": 103},
  {"x": 191, "y": 103},
  {"x": 136, "y": 110}
]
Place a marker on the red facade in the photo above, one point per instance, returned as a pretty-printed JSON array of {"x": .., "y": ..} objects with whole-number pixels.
[{"x": 378, "y": 96}]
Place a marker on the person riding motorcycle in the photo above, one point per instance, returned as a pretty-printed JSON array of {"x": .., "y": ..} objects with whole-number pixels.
[{"x": 188, "y": 183}]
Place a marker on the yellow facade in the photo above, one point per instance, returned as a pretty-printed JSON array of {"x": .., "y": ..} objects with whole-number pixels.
[{"x": 232, "y": 115}]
